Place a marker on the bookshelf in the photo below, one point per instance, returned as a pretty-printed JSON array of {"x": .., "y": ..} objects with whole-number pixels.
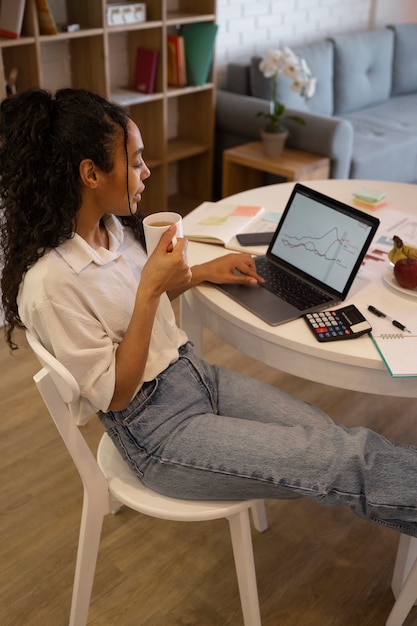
[{"x": 177, "y": 123}]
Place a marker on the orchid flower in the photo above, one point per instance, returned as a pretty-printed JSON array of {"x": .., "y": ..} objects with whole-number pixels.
[{"x": 285, "y": 62}]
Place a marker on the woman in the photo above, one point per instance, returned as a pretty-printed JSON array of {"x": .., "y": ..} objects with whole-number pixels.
[{"x": 77, "y": 276}]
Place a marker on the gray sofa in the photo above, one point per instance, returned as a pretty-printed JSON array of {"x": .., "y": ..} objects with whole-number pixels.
[{"x": 363, "y": 115}]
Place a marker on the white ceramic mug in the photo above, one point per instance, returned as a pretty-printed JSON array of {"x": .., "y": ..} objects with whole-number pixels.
[{"x": 156, "y": 224}]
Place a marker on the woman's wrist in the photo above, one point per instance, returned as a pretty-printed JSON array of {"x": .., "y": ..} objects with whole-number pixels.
[{"x": 200, "y": 273}]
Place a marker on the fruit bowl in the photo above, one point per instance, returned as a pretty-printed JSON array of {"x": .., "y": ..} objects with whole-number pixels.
[
  {"x": 390, "y": 280},
  {"x": 405, "y": 272},
  {"x": 404, "y": 260}
]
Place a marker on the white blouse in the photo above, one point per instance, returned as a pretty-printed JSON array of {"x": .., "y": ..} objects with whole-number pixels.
[{"x": 79, "y": 301}]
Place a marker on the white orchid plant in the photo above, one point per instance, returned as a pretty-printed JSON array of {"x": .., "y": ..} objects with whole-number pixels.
[{"x": 285, "y": 62}]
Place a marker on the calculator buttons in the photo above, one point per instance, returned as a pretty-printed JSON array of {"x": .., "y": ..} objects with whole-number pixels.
[
  {"x": 328, "y": 324},
  {"x": 337, "y": 324}
]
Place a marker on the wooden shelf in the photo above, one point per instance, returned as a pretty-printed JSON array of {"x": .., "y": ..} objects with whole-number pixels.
[
  {"x": 93, "y": 59},
  {"x": 13, "y": 43},
  {"x": 179, "y": 149},
  {"x": 178, "y": 17},
  {"x": 78, "y": 34},
  {"x": 140, "y": 26}
]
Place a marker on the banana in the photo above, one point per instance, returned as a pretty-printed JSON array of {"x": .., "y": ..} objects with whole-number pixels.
[
  {"x": 401, "y": 250},
  {"x": 410, "y": 251},
  {"x": 396, "y": 253}
]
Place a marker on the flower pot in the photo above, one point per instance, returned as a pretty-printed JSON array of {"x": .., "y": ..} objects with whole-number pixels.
[{"x": 273, "y": 143}]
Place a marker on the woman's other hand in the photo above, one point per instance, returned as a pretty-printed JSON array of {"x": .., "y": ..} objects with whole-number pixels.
[{"x": 233, "y": 268}]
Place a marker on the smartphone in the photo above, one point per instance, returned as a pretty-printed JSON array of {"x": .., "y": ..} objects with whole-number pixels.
[{"x": 255, "y": 239}]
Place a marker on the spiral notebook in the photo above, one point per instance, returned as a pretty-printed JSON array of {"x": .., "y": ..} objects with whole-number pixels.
[{"x": 398, "y": 349}]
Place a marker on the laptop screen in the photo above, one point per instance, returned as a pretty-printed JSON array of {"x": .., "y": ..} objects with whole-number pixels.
[{"x": 324, "y": 239}]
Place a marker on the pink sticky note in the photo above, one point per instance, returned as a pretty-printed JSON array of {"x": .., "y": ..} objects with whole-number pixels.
[{"x": 246, "y": 210}]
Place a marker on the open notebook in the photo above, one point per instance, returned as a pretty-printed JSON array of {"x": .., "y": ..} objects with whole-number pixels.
[{"x": 398, "y": 349}]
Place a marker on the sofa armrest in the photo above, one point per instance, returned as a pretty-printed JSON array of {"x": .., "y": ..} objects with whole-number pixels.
[{"x": 324, "y": 135}]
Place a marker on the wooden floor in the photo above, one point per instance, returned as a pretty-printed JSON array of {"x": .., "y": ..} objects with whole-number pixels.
[{"x": 315, "y": 566}]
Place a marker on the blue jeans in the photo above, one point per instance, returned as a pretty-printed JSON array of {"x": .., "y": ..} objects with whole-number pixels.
[{"x": 202, "y": 432}]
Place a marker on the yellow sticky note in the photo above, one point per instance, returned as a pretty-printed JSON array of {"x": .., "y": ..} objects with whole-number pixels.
[{"x": 214, "y": 220}]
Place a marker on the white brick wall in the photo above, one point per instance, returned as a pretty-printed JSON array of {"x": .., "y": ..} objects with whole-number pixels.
[
  {"x": 250, "y": 28},
  {"x": 247, "y": 29}
]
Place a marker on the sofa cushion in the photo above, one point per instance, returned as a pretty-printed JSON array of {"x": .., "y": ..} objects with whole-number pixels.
[
  {"x": 362, "y": 69},
  {"x": 405, "y": 58},
  {"x": 237, "y": 79},
  {"x": 319, "y": 58},
  {"x": 385, "y": 140}
]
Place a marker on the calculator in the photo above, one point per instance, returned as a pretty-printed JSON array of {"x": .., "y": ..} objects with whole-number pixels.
[{"x": 345, "y": 323}]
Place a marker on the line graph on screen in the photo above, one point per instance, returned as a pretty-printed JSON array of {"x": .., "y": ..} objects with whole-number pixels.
[{"x": 327, "y": 246}]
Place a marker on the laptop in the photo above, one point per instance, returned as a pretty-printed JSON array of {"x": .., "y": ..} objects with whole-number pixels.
[{"x": 316, "y": 252}]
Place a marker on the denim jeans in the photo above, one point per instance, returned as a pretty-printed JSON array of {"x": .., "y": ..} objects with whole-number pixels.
[{"x": 202, "y": 432}]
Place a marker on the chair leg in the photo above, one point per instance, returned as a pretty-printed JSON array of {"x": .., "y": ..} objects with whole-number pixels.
[
  {"x": 406, "y": 555},
  {"x": 114, "y": 505},
  {"x": 88, "y": 545},
  {"x": 259, "y": 518},
  {"x": 245, "y": 567},
  {"x": 405, "y": 599}
]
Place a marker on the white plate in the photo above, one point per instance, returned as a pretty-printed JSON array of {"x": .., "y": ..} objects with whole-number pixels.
[{"x": 389, "y": 278}]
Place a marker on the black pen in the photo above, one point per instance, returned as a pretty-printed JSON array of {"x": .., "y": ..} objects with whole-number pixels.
[{"x": 378, "y": 313}]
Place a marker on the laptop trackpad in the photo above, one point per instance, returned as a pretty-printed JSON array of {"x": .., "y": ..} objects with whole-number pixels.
[{"x": 262, "y": 302}]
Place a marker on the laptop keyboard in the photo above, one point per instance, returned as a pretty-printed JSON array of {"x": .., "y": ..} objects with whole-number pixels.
[{"x": 291, "y": 289}]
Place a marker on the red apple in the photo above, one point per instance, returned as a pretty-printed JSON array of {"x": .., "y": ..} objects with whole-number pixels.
[{"x": 405, "y": 271}]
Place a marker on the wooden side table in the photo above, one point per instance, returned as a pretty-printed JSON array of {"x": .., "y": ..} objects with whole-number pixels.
[{"x": 244, "y": 166}]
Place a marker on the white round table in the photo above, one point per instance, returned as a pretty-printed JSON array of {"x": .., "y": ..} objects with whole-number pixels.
[{"x": 291, "y": 347}]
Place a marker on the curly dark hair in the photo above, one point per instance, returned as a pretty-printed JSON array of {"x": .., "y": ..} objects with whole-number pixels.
[{"x": 43, "y": 139}]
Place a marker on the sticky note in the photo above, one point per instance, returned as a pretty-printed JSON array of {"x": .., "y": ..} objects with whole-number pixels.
[
  {"x": 214, "y": 220},
  {"x": 245, "y": 210},
  {"x": 272, "y": 217}
]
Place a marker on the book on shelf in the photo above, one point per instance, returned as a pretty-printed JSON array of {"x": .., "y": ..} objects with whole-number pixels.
[
  {"x": 11, "y": 18},
  {"x": 47, "y": 24},
  {"x": 398, "y": 349},
  {"x": 199, "y": 41},
  {"x": 145, "y": 70},
  {"x": 214, "y": 222},
  {"x": 177, "y": 74}
]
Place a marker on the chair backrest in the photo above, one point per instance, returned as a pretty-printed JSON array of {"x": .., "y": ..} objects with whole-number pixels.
[
  {"x": 63, "y": 379},
  {"x": 58, "y": 388}
]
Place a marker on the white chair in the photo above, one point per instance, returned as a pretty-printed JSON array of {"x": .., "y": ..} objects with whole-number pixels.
[
  {"x": 404, "y": 581},
  {"x": 108, "y": 483}
]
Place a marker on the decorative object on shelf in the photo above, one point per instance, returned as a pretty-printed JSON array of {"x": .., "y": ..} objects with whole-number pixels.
[
  {"x": 199, "y": 45},
  {"x": 145, "y": 70},
  {"x": 125, "y": 13},
  {"x": 11, "y": 83},
  {"x": 74, "y": 27},
  {"x": 285, "y": 62}
]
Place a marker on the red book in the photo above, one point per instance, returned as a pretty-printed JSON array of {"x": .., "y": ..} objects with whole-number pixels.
[
  {"x": 177, "y": 75},
  {"x": 145, "y": 71}
]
